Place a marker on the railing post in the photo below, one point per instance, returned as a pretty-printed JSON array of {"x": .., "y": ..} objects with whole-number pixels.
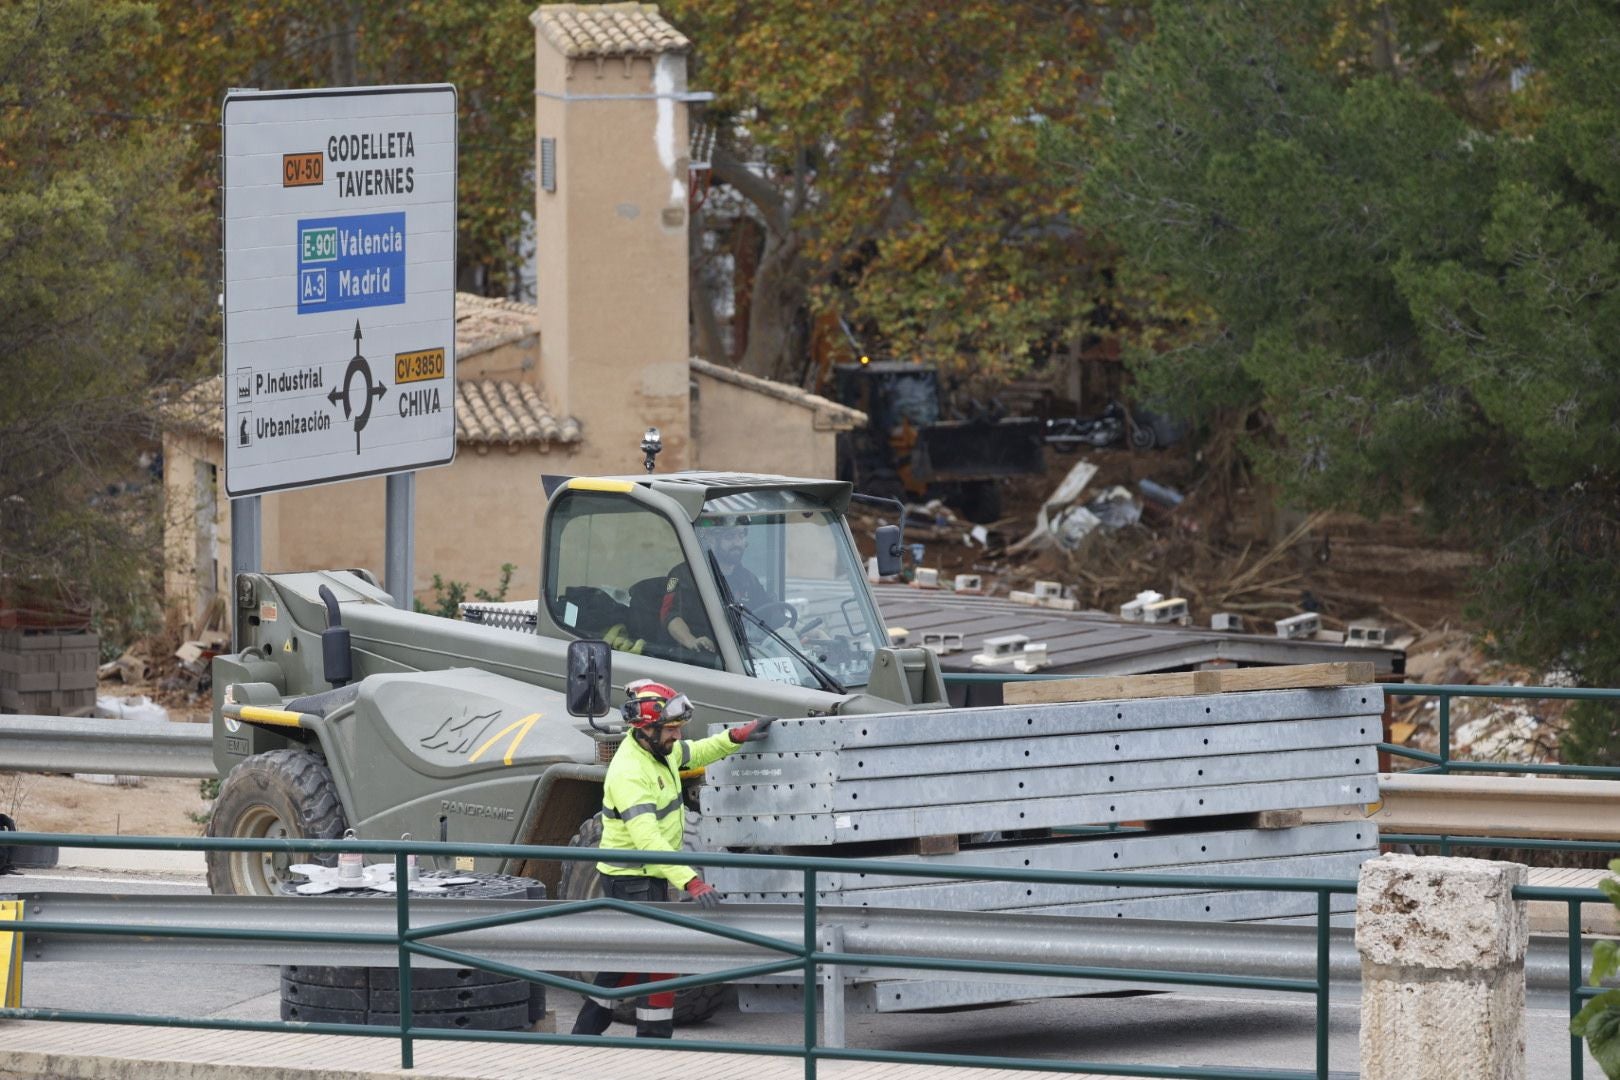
[
  {"x": 1324, "y": 970},
  {"x": 810, "y": 940},
  {"x": 402, "y": 912},
  {"x": 1442, "y": 944},
  {"x": 1445, "y": 733},
  {"x": 1577, "y": 1051}
]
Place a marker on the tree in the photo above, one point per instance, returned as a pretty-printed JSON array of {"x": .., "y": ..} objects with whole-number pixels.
[
  {"x": 889, "y": 154},
  {"x": 1411, "y": 269},
  {"x": 101, "y": 300},
  {"x": 484, "y": 47}
]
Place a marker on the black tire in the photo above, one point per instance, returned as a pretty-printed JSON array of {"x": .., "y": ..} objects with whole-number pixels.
[
  {"x": 501, "y": 1018},
  {"x": 21, "y": 856},
  {"x": 282, "y": 793},
  {"x": 1143, "y": 436},
  {"x": 581, "y": 880}
]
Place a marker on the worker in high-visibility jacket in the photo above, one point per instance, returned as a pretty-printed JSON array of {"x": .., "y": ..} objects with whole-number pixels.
[{"x": 642, "y": 811}]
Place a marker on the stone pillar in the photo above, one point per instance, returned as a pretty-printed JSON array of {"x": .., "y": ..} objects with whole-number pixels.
[{"x": 1442, "y": 944}]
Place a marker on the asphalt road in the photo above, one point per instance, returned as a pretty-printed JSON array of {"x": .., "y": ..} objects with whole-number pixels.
[{"x": 1178, "y": 1028}]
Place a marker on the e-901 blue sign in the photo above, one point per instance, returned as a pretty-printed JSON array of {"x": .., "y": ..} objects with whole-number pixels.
[{"x": 351, "y": 262}]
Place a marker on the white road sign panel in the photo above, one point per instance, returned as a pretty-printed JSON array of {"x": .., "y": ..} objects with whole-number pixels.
[{"x": 340, "y": 271}]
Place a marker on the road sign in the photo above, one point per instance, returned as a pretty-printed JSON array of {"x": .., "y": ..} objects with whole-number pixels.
[{"x": 340, "y": 264}]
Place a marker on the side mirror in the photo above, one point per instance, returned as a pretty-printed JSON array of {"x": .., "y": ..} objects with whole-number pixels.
[
  {"x": 590, "y": 667},
  {"x": 888, "y": 550}
]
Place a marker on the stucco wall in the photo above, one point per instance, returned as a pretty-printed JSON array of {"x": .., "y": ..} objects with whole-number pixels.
[
  {"x": 189, "y": 463},
  {"x": 515, "y": 361},
  {"x": 470, "y": 518},
  {"x": 611, "y": 252},
  {"x": 736, "y": 428}
]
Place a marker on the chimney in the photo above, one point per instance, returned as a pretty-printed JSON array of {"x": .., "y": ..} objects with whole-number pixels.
[{"x": 611, "y": 228}]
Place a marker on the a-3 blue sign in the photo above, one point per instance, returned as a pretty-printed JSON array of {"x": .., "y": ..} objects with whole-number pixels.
[{"x": 351, "y": 262}]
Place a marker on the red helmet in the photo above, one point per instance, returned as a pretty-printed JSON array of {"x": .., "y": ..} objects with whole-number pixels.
[{"x": 651, "y": 704}]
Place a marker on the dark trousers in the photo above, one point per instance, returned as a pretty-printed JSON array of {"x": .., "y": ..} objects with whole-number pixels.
[{"x": 655, "y": 1013}]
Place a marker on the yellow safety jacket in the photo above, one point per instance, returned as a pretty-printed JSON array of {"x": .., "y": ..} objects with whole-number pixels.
[{"x": 641, "y": 803}]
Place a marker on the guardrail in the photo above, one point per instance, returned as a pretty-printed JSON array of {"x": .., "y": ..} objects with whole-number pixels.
[
  {"x": 802, "y": 953},
  {"x": 131, "y": 747}
]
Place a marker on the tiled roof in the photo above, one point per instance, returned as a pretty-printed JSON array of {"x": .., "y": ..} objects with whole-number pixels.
[
  {"x": 598, "y": 30},
  {"x": 497, "y": 412},
  {"x": 484, "y": 323},
  {"x": 839, "y": 416},
  {"x": 489, "y": 412}
]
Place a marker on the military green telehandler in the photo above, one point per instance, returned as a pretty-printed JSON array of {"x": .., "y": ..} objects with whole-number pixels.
[{"x": 339, "y": 711}]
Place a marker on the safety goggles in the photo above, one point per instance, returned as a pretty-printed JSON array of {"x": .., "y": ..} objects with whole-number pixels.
[{"x": 678, "y": 710}]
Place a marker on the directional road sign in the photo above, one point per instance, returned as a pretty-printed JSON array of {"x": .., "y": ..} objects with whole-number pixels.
[{"x": 340, "y": 263}]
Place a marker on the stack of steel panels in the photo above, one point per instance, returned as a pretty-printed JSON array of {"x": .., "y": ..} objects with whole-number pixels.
[
  {"x": 857, "y": 779},
  {"x": 855, "y": 785}
]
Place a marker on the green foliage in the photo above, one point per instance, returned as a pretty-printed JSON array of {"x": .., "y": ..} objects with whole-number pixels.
[
  {"x": 182, "y": 67},
  {"x": 1592, "y": 736},
  {"x": 448, "y": 596},
  {"x": 1598, "y": 1022},
  {"x": 1410, "y": 270},
  {"x": 101, "y": 301},
  {"x": 903, "y": 186}
]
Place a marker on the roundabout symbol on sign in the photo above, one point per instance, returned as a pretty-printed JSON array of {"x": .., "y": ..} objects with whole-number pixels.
[{"x": 368, "y": 391}]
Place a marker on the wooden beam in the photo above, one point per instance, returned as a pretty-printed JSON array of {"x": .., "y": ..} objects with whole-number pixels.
[{"x": 1183, "y": 683}]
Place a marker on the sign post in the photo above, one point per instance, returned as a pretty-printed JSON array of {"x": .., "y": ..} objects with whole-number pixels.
[{"x": 339, "y": 301}]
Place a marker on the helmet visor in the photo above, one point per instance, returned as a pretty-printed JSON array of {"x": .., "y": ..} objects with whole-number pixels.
[{"x": 678, "y": 710}]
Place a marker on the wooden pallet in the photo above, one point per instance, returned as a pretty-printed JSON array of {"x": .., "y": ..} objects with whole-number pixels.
[{"x": 1184, "y": 683}]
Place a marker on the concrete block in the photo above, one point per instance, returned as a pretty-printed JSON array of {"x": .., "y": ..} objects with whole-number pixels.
[
  {"x": 1442, "y": 946},
  {"x": 1440, "y": 914}
]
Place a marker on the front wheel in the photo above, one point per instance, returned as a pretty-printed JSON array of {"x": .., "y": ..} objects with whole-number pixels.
[
  {"x": 581, "y": 880},
  {"x": 271, "y": 796}
]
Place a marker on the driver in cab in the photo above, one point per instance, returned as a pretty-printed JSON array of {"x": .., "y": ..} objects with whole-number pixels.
[{"x": 681, "y": 611}]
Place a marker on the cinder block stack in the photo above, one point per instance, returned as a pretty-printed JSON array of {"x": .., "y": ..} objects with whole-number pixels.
[{"x": 48, "y": 672}]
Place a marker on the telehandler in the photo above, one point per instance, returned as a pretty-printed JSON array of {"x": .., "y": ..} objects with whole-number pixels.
[{"x": 339, "y": 711}]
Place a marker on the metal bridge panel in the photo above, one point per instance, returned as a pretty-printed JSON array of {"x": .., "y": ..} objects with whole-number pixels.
[
  {"x": 1203, "y": 801},
  {"x": 1146, "y": 852},
  {"x": 1021, "y": 897},
  {"x": 1068, "y": 718},
  {"x": 1148, "y": 745}
]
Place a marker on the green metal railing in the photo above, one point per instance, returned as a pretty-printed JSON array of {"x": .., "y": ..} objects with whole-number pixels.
[
  {"x": 1443, "y": 762},
  {"x": 802, "y": 956}
]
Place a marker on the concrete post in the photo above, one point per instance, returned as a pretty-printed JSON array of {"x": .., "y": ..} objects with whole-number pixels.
[{"x": 1442, "y": 944}]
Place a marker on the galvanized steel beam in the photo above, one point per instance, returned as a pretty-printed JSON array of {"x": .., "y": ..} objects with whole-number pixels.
[
  {"x": 767, "y": 829},
  {"x": 1166, "y": 852}
]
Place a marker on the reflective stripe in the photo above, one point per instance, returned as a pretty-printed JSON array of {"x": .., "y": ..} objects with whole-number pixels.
[
  {"x": 608, "y": 1003},
  {"x": 655, "y": 1014},
  {"x": 643, "y": 808},
  {"x": 686, "y": 753}
]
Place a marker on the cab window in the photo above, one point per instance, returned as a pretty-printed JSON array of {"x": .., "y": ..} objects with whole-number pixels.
[{"x": 615, "y": 571}]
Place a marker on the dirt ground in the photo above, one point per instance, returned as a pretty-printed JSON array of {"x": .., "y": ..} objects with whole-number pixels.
[{"x": 158, "y": 806}]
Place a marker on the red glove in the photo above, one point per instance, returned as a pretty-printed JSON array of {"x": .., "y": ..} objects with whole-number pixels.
[
  {"x": 752, "y": 731},
  {"x": 706, "y": 895}
]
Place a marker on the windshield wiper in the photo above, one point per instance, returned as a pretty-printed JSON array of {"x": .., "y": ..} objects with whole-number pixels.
[
  {"x": 822, "y": 676},
  {"x": 729, "y": 602}
]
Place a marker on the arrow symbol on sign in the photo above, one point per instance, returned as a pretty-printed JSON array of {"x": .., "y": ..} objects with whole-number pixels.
[{"x": 369, "y": 390}]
